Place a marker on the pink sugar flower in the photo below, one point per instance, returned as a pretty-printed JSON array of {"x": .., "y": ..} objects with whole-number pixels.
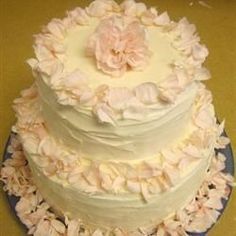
[{"x": 119, "y": 45}]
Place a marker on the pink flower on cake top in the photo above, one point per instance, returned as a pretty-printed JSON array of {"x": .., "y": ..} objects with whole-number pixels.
[{"x": 119, "y": 44}]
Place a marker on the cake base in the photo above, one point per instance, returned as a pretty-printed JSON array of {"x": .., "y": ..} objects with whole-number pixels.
[{"x": 38, "y": 212}]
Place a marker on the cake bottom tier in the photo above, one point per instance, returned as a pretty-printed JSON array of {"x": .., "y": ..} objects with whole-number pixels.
[
  {"x": 127, "y": 211},
  {"x": 34, "y": 212}
]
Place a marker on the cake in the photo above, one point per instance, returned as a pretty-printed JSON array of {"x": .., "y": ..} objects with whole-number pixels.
[{"x": 118, "y": 130}]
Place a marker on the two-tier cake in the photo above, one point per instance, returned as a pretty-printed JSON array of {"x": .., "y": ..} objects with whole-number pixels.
[{"x": 118, "y": 130}]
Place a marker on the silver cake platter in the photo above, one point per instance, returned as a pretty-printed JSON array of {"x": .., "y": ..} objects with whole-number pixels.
[{"x": 229, "y": 163}]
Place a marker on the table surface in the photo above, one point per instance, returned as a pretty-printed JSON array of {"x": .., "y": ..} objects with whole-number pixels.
[{"x": 216, "y": 24}]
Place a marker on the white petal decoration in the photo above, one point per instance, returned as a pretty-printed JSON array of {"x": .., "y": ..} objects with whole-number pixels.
[
  {"x": 32, "y": 62},
  {"x": 205, "y": 118},
  {"x": 75, "y": 79},
  {"x": 104, "y": 113},
  {"x": 186, "y": 30},
  {"x": 64, "y": 99},
  {"x": 31, "y": 143},
  {"x": 199, "y": 52},
  {"x": 56, "y": 73},
  {"x": 213, "y": 215},
  {"x": 50, "y": 42},
  {"x": 162, "y": 19},
  {"x": 24, "y": 206},
  {"x": 147, "y": 93},
  {"x": 171, "y": 173},
  {"x": 144, "y": 191},
  {"x": 183, "y": 78},
  {"x": 79, "y": 15},
  {"x": 31, "y": 92},
  {"x": 185, "y": 45},
  {"x": 56, "y": 28},
  {"x": 182, "y": 26},
  {"x": 73, "y": 89},
  {"x": 58, "y": 226},
  {"x": 68, "y": 23},
  {"x": 170, "y": 83},
  {"x": 154, "y": 187},
  {"x": 132, "y": 8},
  {"x": 50, "y": 67},
  {"x": 148, "y": 17},
  {"x": 119, "y": 232},
  {"x": 202, "y": 74},
  {"x": 214, "y": 203},
  {"x": 140, "y": 8},
  {"x": 47, "y": 147},
  {"x": 73, "y": 228},
  {"x": 135, "y": 110},
  {"x": 42, "y": 53},
  {"x": 134, "y": 186},
  {"x": 172, "y": 86},
  {"x": 87, "y": 97},
  {"x": 42, "y": 228},
  {"x": 97, "y": 232},
  {"x": 50, "y": 170},
  {"x": 167, "y": 95},
  {"x": 118, "y": 98},
  {"x": 221, "y": 127},
  {"x": 193, "y": 151},
  {"x": 204, "y": 98},
  {"x": 222, "y": 142},
  {"x": 106, "y": 181},
  {"x": 99, "y": 8},
  {"x": 7, "y": 171},
  {"x": 129, "y": 7},
  {"x": 74, "y": 178},
  {"x": 42, "y": 162},
  {"x": 172, "y": 224},
  {"x": 57, "y": 48},
  {"x": 161, "y": 232},
  {"x": 173, "y": 157},
  {"x": 118, "y": 183}
]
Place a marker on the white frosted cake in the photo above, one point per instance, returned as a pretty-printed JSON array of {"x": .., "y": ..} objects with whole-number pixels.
[{"x": 118, "y": 130}]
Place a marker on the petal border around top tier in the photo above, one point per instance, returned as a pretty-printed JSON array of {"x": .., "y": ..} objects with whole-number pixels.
[{"x": 107, "y": 103}]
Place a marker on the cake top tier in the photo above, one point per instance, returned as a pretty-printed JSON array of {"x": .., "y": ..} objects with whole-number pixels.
[{"x": 119, "y": 61}]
